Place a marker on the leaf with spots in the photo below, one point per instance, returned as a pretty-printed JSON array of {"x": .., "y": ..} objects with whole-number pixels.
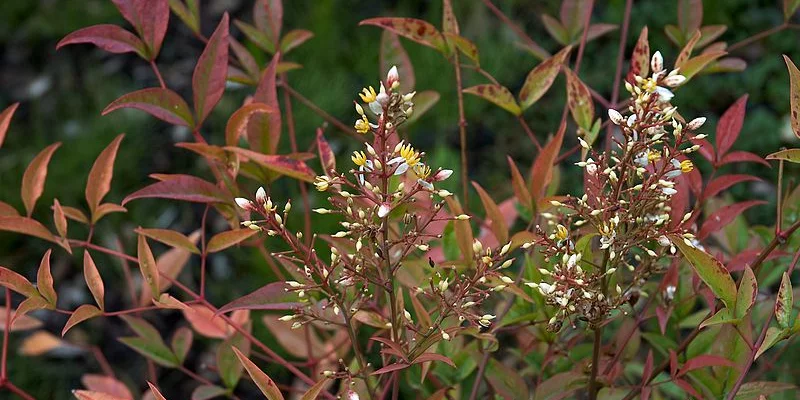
[
  {"x": 413, "y": 29},
  {"x": 790, "y": 155},
  {"x": 747, "y": 293},
  {"x": 794, "y": 90},
  {"x": 579, "y": 100},
  {"x": 264, "y": 383},
  {"x": 783, "y": 303},
  {"x": 640, "y": 59},
  {"x": 541, "y": 78},
  {"x": 496, "y": 94}
]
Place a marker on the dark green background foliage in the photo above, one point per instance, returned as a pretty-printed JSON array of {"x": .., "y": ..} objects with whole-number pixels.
[{"x": 62, "y": 94}]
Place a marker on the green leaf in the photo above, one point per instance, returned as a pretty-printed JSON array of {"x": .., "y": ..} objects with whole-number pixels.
[
  {"x": 774, "y": 335},
  {"x": 181, "y": 343},
  {"x": 228, "y": 365},
  {"x": 496, "y": 94},
  {"x": 153, "y": 350},
  {"x": 294, "y": 38},
  {"x": 163, "y": 104},
  {"x": 722, "y": 316},
  {"x": 747, "y": 293},
  {"x": 789, "y": 8},
  {"x": 783, "y": 303},
  {"x": 505, "y": 381},
  {"x": 790, "y": 155},
  {"x": 710, "y": 270},
  {"x": 264, "y": 383},
  {"x": 579, "y": 100},
  {"x": 555, "y": 29},
  {"x": 541, "y": 78},
  {"x": 753, "y": 390},
  {"x": 559, "y": 385}
]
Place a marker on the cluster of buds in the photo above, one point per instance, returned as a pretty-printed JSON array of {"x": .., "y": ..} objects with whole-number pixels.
[{"x": 632, "y": 202}]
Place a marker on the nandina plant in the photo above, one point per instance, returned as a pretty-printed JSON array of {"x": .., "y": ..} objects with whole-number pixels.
[{"x": 637, "y": 285}]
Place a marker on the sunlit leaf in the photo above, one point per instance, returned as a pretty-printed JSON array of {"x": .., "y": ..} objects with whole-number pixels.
[
  {"x": 93, "y": 279},
  {"x": 791, "y": 155},
  {"x": 80, "y": 314},
  {"x": 17, "y": 283},
  {"x": 44, "y": 280},
  {"x": 59, "y": 219},
  {"x": 34, "y": 177}
]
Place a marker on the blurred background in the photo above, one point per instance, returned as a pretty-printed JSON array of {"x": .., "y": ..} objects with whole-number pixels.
[{"x": 63, "y": 92}]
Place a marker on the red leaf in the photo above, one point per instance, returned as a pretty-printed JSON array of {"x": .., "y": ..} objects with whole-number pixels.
[
  {"x": 705, "y": 360},
  {"x": 688, "y": 388},
  {"x": 99, "y": 182},
  {"x": 729, "y": 126},
  {"x": 149, "y": 17},
  {"x": 391, "y": 368},
  {"x": 391, "y": 54},
  {"x": 80, "y": 314},
  {"x": 181, "y": 187},
  {"x": 498, "y": 223},
  {"x": 5, "y": 121},
  {"x": 163, "y": 104},
  {"x": 723, "y": 182},
  {"x": 414, "y": 29},
  {"x": 393, "y": 345},
  {"x": 110, "y": 38},
  {"x": 270, "y": 297},
  {"x": 34, "y": 177},
  {"x": 239, "y": 119},
  {"x": 268, "y": 17},
  {"x": 208, "y": 80},
  {"x": 542, "y": 171},
  {"x": 223, "y": 240},
  {"x": 264, "y": 131},
  {"x": 425, "y": 357},
  {"x": 281, "y": 164},
  {"x": 663, "y": 317},
  {"x": 742, "y": 156},
  {"x": 326, "y": 156},
  {"x": 93, "y": 279},
  {"x": 724, "y": 216}
]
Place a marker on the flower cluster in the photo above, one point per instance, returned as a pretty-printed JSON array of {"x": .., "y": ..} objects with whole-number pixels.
[{"x": 635, "y": 197}]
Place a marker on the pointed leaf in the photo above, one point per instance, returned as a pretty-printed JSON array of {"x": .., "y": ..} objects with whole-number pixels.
[
  {"x": 91, "y": 395},
  {"x": 711, "y": 271},
  {"x": 541, "y": 78},
  {"x": 449, "y": 21},
  {"x": 273, "y": 296},
  {"x": 239, "y": 120},
  {"x": 790, "y": 155},
  {"x": 106, "y": 384},
  {"x": 99, "y": 182},
  {"x": 742, "y": 156},
  {"x": 170, "y": 238},
  {"x": 181, "y": 187},
  {"x": 148, "y": 266},
  {"x": 264, "y": 131},
  {"x": 207, "y": 392},
  {"x": 640, "y": 59},
  {"x": 783, "y": 303},
  {"x": 391, "y": 368},
  {"x": 17, "y": 282},
  {"x": 556, "y": 29},
  {"x": 498, "y": 222},
  {"x": 29, "y": 227},
  {"x": 281, "y": 164},
  {"x": 268, "y": 16},
  {"x": 7, "y": 210},
  {"x": 223, "y": 240},
  {"x": 724, "y": 216},
  {"x": 392, "y": 54},
  {"x": 465, "y": 46},
  {"x": 721, "y": 183},
  {"x": 579, "y": 100},
  {"x": 496, "y": 94},
  {"x": 59, "y": 219},
  {"x": 774, "y": 335},
  {"x": 794, "y": 91},
  {"x": 93, "y": 279},
  {"x": 542, "y": 171},
  {"x": 181, "y": 343},
  {"x": 105, "y": 209},
  {"x": 414, "y": 29},
  {"x": 189, "y": 16},
  {"x": 313, "y": 392},
  {"x": 264, "y": 383},
  {"x": 729, "y": 126},
  {"x": 326, "y": 156},
  {"x": 75, "y": 214},
  {"x": 294, "y": 38},
  {"x": 152, "y": 349},
  {"x": 423, "y": 101},
  {"x": 110, "y": 38},
  {"x": 723, "y": 316},
  {"x": 506, "y": 382},
  {"x": 690, "y": 15},
  {"x": 80, "y": 314},
  {"x": 747, "y": 293},
  {"x": 156, "y": 394},
  {"x": 425, "y": 357},
  {"x": 208, "y": 80},
  {"x": 463, "y": 230},
  {"x": 44, "y": 280},
  {"x": 5, "y": 121},
  {"x": 696, "y": 64},
  {"x": 752, "y": 390},
  {"x": 519, "y": 185},
  {"x": 34, "y": 177},
  {"x": 230, "y": 369},
  {"x": 163, "y": 104}
]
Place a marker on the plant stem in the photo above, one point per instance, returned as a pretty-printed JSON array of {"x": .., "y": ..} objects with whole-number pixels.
[
  {"x": 462, "y": 131},
  {"x": 757, "y": 36},
  {"x": 620, "y": 59},
  {"x": 287, "y": 102},
  {"x": 598, "y": 335},
  {"x": 327, "y": 117},
  {"x": 17, "y": 391},
  {"x": 4, "y": 361},
  {"x": 158, "y": 74},
  {"x": 203, "y": 254}
]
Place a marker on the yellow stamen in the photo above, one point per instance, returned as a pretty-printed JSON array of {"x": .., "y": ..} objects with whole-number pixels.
[
  {"x": 362, "y": 125},
  {"x": 649, "y": 85},
  {"x": 423, "y": 171},
  {"x": 368, "y": 96},
  {"x": 410, "y": 155},
  {"x": 686, "y": 166},
  {"x": 653, "y": 155},
  {"x": 359, "y": 158},
  {"x": 561, "y": 232}
]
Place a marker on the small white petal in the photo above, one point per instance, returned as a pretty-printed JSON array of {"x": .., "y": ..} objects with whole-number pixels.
[
  {"x": 383, "y": 210},
  {"x": 244, "y": 203},
  {"x": 401, "y": 169}
]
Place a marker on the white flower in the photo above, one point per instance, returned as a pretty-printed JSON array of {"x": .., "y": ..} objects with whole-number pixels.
[
  {"x": 261, "y": 196},
  {"x": 384, "y": 210},
  {"x": 696, "y": 123},
  {"x": 664, "y": 94},
  {"x": 393, "y": 78},
  {"x": 675, "y": 172},
  {"x": 674, "y": 80},
  {"x": 615, "y": 116},
  {"x": 657, "y": 62},
  {"x": 244, "y": 203},
  {"x": 668, "y": 191}
]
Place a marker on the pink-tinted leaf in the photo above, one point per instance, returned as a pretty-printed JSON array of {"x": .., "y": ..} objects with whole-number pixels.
[
  {"x": 181, "y": 187},
  {"x": 414, "y": 29},
  {"x": 171, "y": 263},
  {"x": 729, "y": 126},
  {"x": 163, "y": 104},
  {"x": 264, "y": 131},
  {"x": 80, "y": 314},
  {"x": 99, "y": 182},
  {"x": 710, "y": 270},
  {"x": 208, "y": 392},
  {"x": 106, "y": 384},
  {"x": 541, "y": 78},
  {"x": 17, "y": 283},
  {"x": 7, "y": 210},
  {"x": 273, "y": 296},
  {"x": 223, "y": 240},
  {"x": 149, "y": 17},
  {"x": 790, "y": 155},
  {"x": 498, "y": 223},
  {"x": 542, "y": 172},
  {"x": 156, "y": 394},
  {"x": 19, "y": 322},
  {"x": 425, "y": 357},
  {"x": 44, "y": 280},
  {"x": 170, "y": 238},
  {"x": 59, "y": 219},
  {"x": 721, "y": 183},
  {"x": 794, "y": 94},
  {"x": 727, "y": 64},
  {"x": 110, "y": 38},
  {"x": 556, "y": 30},
  {"x": 247, "y": 61},
  {"x": 147, "y": 265},
  {"x": 747, "y": 293},
  {"x": 5, "y": 121},
  {"x": 710, "y": 33},
  {"x": 640, "y": 59},
  {"x": 34, "y": 177},
  {"x": 783, "y": 303},
  {"x": 294, "y": 38},
  {"x": 579, "y": 100},
  {"x": 283, "y": 165},
  {"x": 703, "y": 361},
  {"x": 394, "y": 346},
  {"x": 28, "y": 226},
  {"x": 724, "y": 216},
  {"x": 519, "y": 185},
  {"x": 741, "y": 156},
  {"x": 496, "y": 94},
  {"x": 690, "y": 15},
  {"x": 92, "y": 395},
  {"x": 205, "y": 322},
  {"x": 313, "y": 392},
  {"x": 268, "y": 17},
  {"x": 326, "y": 156},
  {"x": 392, "y": 54},
  {"x": 264, "y": 383},
  {"x": 391, "y": 368},
  {"x": 208, "y": 80},
  {"x": 239, "y": 119},
  {"x": 93, "y": 279}
]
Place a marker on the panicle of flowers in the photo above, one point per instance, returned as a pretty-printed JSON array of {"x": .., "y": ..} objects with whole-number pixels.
[{"x": 635, "y": 198}]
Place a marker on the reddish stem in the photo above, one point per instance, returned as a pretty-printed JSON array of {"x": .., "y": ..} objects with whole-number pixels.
[
  {"x": 158, "y": 74},
  {"x": 4, "y": 361}
]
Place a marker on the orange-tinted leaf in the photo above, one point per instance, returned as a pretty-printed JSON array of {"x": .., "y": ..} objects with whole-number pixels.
[
  {"x": 171, "y": 263},
  {"x": 99, "y": 182},
  {"x": 273, "y": 296},
  {"x": 223, "y": 240},
  {"x": 542, "y": 171},
  {"x": 147, "y": 265},
  {"x": 170, "y": 238},
  {"x": 156, "y": 394},
  {"x": 414, "y": 29},
  {"x": 105, "y": 209},
  {"x": 264, "y": 383},
  {"x": 91, "y": 395},
  {"x": 5, "y": 121},
  {"x": 791, "y": 155},
  {"x": 17, "y": 283},
  {"x": 163, "y": 104},
  {"x": 729, "y": 126},
  {"x": 34, "y": 177},
  {"x": 59, "y": 219},
  {"x": 294, "y": 38},
  {"x": 239, "y": 119},
  {"x": 32, "y": 304},
  {"x": 75, "y": 214},
  {"x": 264, "y": 131},
  {"x": 724, "y": 216},
  {"x": 44, "y": 280},
  {"x": 19, "y": 322},
  {"x": 7, "y": 210},
  {"x": 541, "y": 78},
  {"x": 794, "y": 96},
  {"x": 29, "y": 227},
  {"x": 313, "y": 392},
  {"x": 165, "y": 300},
  {"x": 721, "y": 183},
  {"x": 110, "y": 38},
  {"x": 40, "y": 342},
  {"x": 579, "y": 100},
  {"x": 208, "y": 80},
  {"x": 93, "y": 279},
  {"x": 392, "y": 54},
  {"x": 497, "y": 94},
  {"x": 283, "y": 165},
  {"x": 80, "y": 314},
  {"x": 520, "y": 187},
  {"x": 204, "y": 322},
  {"x": 326, "y": 156},
  {"x": 498, "y": 223},
  {"x": 106, "y": 384},
  {"x": 181, "y": 187},
  {"x": 710, "y": 270}
]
